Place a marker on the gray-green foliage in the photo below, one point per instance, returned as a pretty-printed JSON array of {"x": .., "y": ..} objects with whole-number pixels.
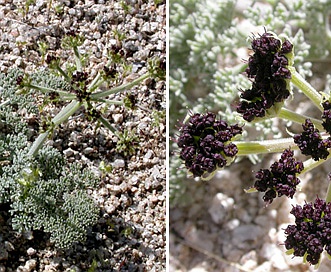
[
  {"x": 205, "y": 70},
  {"x": 8, "y": 87},
  {"x": 44, "y": 192},
  {"x": 48, "y": 79},
  {"x": 50, "y": 195},
  {"x": 200, "y": 31}
]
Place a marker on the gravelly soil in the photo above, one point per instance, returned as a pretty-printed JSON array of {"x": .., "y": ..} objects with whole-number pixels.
[{"x": 132, "y": 197}]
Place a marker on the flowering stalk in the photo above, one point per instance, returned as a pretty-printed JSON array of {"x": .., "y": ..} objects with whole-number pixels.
[
  {"x": 54, "y": 63},
  {"x": 306, "y": 88},
  {"x": 311, "y": 164},
  {"x": 62, "y": 116},
  {"x": 121, "y": 87},
  {"x": 328, "y": 193},
  {"x": 96, "y": 83},
  {"x": 45, "y": 90},
  {"x": 77, "y": 59},
  {"x": 289, "y": 115},
  {"x": 264, "y": 147}
]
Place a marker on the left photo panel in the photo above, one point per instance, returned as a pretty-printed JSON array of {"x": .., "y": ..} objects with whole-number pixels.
[{"x": 83, "y": 135}]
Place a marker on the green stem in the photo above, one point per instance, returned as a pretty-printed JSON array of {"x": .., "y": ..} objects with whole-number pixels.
[
  {"x": 66, "y": 112},
  {"x": 62, "y": 116},
  {"x": 298, "y": 118},
  {"x": 264, "y": 147},
  {"x": 120, "y": 88},
  {"x": 97, "y": 81},
  {"x": 328, "y": 193},
  {"x": 108, "y": 125},
  {"x": 38, "y": 144},
  {"x": 77, "y": 59},
  {"x": 109, "y": 102},
  {"x": 63, "y": 73},
  {"x": 46, "y": 90},
  {"x": 306, "y": 88},
  {"x": 311, "y": 164}
]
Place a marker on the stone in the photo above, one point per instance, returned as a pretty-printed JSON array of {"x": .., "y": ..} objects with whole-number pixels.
[
  {"x": 30, "y": 265},
  {"x": 31, "y": 251},
  {"x": 149, "y": 154},
  {"x": 275, "y": 255},
  {"x": 249, "y": 260},
  {"x": 9, "y": 246},
  {"x": 232, "y": 224},
  {"x": 118, "y": 163},
  {"x": 266, "y": 266},
  {"x": 198, "y": 268},
  {"x": 246, "y": 234},
  {"x": 68, "y": 152},
  {"x": 118, "y": 118},
  {"x": 88, "y": 150},
  {"x": 220, "y": 208},
  {"x": 28, "y": 234}
]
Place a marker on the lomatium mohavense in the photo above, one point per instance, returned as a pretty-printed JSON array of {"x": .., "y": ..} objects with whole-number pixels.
[{"x": 208, "y": 144}]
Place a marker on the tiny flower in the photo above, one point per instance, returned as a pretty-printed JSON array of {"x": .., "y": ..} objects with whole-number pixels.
[
  {"x": 327, "y": 116},
  {"x": 311, "y": 233},
  {"x": 78, "y": 83},
  {"x": 280, "y": 179},
  {"x": 110, "y": 72},
  {"x": 268, "y": 68},
  {"x": 23, "y": 80},
  {"x": 79, "y": 76},
  {"x": 311, "y": 143},
  {"x": 19, "y": 80},
  {"x": 206, "y": 143},
  {"x": 50, "y": 59}
]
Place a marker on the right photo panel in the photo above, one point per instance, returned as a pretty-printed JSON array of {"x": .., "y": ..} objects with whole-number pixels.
[{"x": 250, "y": 126}]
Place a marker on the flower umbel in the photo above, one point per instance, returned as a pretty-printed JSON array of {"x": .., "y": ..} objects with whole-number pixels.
[
  {"x": 311, "y": 232},
  {"x": 206, "y": 143},
  {"x": 311, "y": 143},
  {"x": 280, "y": 179},
  {"x": 268, "y": 68}
]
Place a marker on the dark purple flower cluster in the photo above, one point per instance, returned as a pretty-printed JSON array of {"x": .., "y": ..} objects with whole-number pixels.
[
  {"x": 19, "y": 80},
  {"x": 205, "y": 143},
  {"x": 51, "y": 59},
  {"x": 311, "y": 143},
  {"x": 79, "y": 83},
  {"x": 311, "y": 232},
  {"x": 268, "y": 68},
  {"x": 280, "y": 179},
  {"x": 327, "y": 116},
  {"x": 79, "y": 77},
  {"x": 110, "y": 71}
]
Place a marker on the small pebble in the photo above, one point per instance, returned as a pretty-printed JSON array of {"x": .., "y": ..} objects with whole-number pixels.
[
  {"x": 31, "y": 251},
  {"x": 68, "y": 152},
  {"x": 9, "y": 246},
  {"x": 30, "y": 265},
  {"x": 118, "y": 163},
  {"x": 88, "y": 150}
]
